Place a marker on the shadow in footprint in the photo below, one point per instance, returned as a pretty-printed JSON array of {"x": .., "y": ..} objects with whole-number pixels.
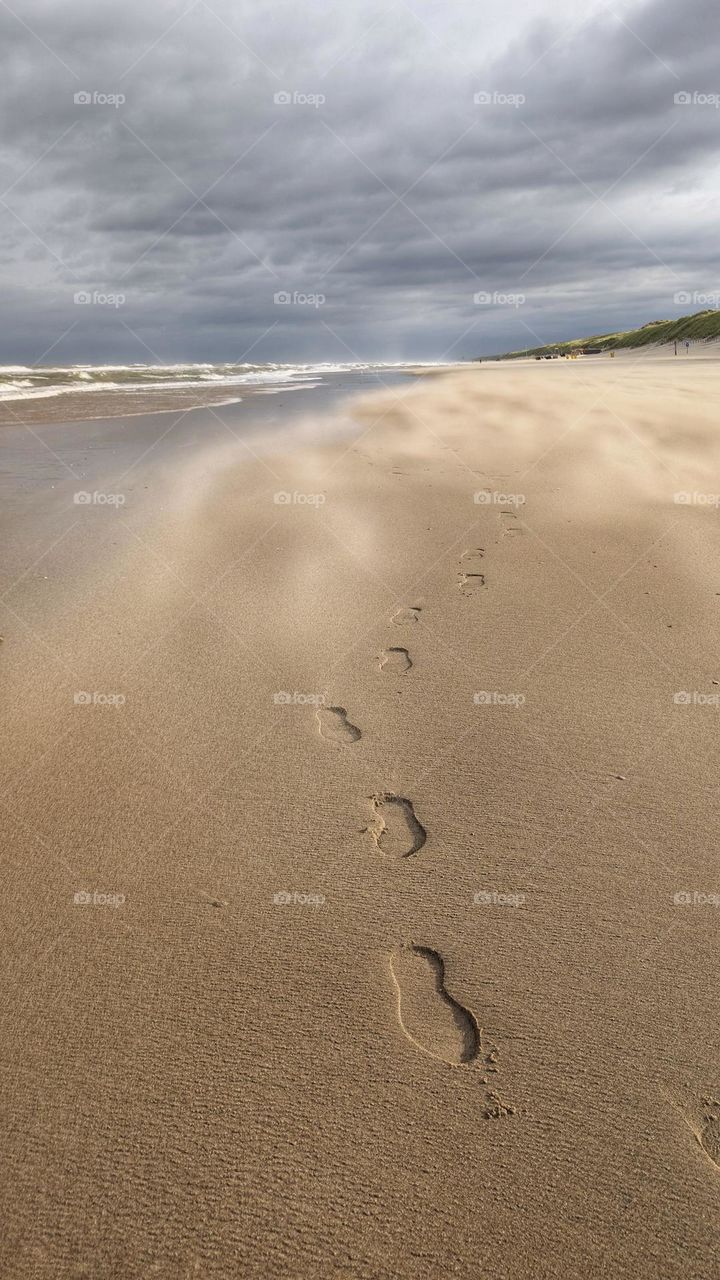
[
  {"x": 429, "y": 1016},
  {"x": 471, "y": 575},
  {"x": 395, "y": 660},
  {"x": 709, "y": 1136},
  {"x": 396, "y": 831},
  {"x": 213, "y": 902},
  {"x": 409, "y": 614},
  {"x": 335, "y": 726},
  {"x": 509, "y": 522}
]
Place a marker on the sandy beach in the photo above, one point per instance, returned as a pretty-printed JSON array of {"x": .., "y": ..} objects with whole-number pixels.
[{"x": 359, "y": 775}]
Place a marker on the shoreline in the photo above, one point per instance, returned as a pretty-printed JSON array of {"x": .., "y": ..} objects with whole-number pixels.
[{"x": 69, "y": 404}]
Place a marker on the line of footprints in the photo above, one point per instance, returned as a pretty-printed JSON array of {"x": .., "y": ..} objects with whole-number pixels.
[{"x": 433, "y": 1021}]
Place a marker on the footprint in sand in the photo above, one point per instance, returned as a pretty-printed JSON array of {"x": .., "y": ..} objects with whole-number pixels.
[
  {"x": 509, "y": 522},
  {"x": 213, "y": 902},
  {"x": 335, "y": 726},
  {"x": 709, "y": 1136},
  {"x": 411, "y": 613},
  {"x": 429, "y": 1016},
  {"x": 396, "y": 830},
  {"x": 395, "y": 660},
  {"x": 470, "y": 573}
]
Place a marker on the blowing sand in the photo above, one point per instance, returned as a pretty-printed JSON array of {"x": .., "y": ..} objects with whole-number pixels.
[{"x": 370, "y": 928}]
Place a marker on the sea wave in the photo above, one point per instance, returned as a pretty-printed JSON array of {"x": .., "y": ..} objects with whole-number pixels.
[{"x": 20, "y": 382}]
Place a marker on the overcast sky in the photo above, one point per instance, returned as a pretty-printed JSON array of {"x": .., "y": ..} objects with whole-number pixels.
[{"x": 382, "y": 197}]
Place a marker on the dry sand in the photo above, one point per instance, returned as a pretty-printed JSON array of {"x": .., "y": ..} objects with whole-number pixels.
[{"x": 395, "y": 982}]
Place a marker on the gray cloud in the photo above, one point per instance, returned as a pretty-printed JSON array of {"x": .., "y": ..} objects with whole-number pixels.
[{"x": 398, "y": 197}]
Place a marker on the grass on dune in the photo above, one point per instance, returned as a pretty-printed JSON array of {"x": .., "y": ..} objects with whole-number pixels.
[{"x": 702, "y": 327}]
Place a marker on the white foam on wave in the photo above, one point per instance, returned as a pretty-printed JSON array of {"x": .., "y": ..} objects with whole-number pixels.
[{"x": 41, "y": 382}]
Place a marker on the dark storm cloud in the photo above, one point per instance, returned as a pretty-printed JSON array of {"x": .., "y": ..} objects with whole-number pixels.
[{"x": 398, "y": 198}]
